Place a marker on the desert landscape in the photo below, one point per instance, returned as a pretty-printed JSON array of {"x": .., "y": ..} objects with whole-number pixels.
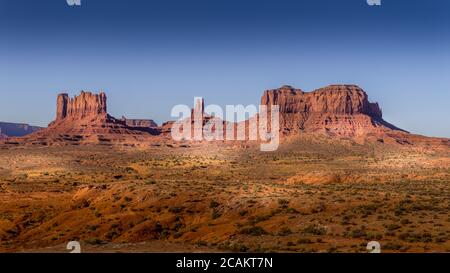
[{"x": 341, "y": 177}]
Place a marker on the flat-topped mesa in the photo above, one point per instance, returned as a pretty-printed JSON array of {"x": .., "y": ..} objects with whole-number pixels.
[
  {"x": 333, "y": 99},
  {"x": 84, "y": 105},
  {"x": 340, "y": 110},
  {"x": 139, "y": 123},
  {"x": 17, "y": 129}
]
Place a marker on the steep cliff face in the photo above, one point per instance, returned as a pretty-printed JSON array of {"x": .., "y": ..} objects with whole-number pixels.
[
  {"x": 342, "y": 110},
  {"x": 61, "y": 106},
  {"x": 85, "y": 105},
  {"x": 334, "y": 99},
  {"x": 84, "y": 119}
]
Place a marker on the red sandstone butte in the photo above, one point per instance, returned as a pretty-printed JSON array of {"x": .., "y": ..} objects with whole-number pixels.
[
  {"x": 337, "y": 110},
  {"x": 84, "y": 119},
  {"x": 82, "y": 106}
]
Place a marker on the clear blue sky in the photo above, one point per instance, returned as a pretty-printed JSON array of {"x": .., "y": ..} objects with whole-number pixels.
[{"x": 151, "y": 55}]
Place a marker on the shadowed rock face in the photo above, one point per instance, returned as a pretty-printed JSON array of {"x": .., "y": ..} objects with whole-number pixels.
[{"x": 61, "y": 106}]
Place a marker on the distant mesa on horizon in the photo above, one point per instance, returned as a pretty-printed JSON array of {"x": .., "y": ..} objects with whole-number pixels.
[
  {"x": 143, "y": 123},
  {"x": 10, "y": 129}
]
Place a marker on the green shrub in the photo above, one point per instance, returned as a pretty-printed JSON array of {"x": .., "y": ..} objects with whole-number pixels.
[
  {"x": 253, "y": 231},
  {"x": 315, "y": 230}
]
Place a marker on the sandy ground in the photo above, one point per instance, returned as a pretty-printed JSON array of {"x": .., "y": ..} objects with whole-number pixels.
[{"x": 312, "y": 195}]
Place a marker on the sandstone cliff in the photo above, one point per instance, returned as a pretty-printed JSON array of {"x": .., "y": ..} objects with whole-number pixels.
[
  {"x": 86, "y": 106},
  {"x": 337, "y": 110},
  {"x": 84, "y": 119},
  {"x": 334, "y": 99}
]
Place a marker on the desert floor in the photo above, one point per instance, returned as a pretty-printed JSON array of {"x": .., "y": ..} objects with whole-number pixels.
[{"x": 312, "y": 195}]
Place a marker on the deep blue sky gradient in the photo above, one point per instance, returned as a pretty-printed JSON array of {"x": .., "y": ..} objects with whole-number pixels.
[{"x": 150, "y": 55}]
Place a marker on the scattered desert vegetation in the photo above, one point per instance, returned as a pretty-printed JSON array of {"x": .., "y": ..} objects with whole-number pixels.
[{"x": 309, "y": 196}]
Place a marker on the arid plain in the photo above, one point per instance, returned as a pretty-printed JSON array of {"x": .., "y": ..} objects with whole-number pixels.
[{"x": 312, "y": 195}]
